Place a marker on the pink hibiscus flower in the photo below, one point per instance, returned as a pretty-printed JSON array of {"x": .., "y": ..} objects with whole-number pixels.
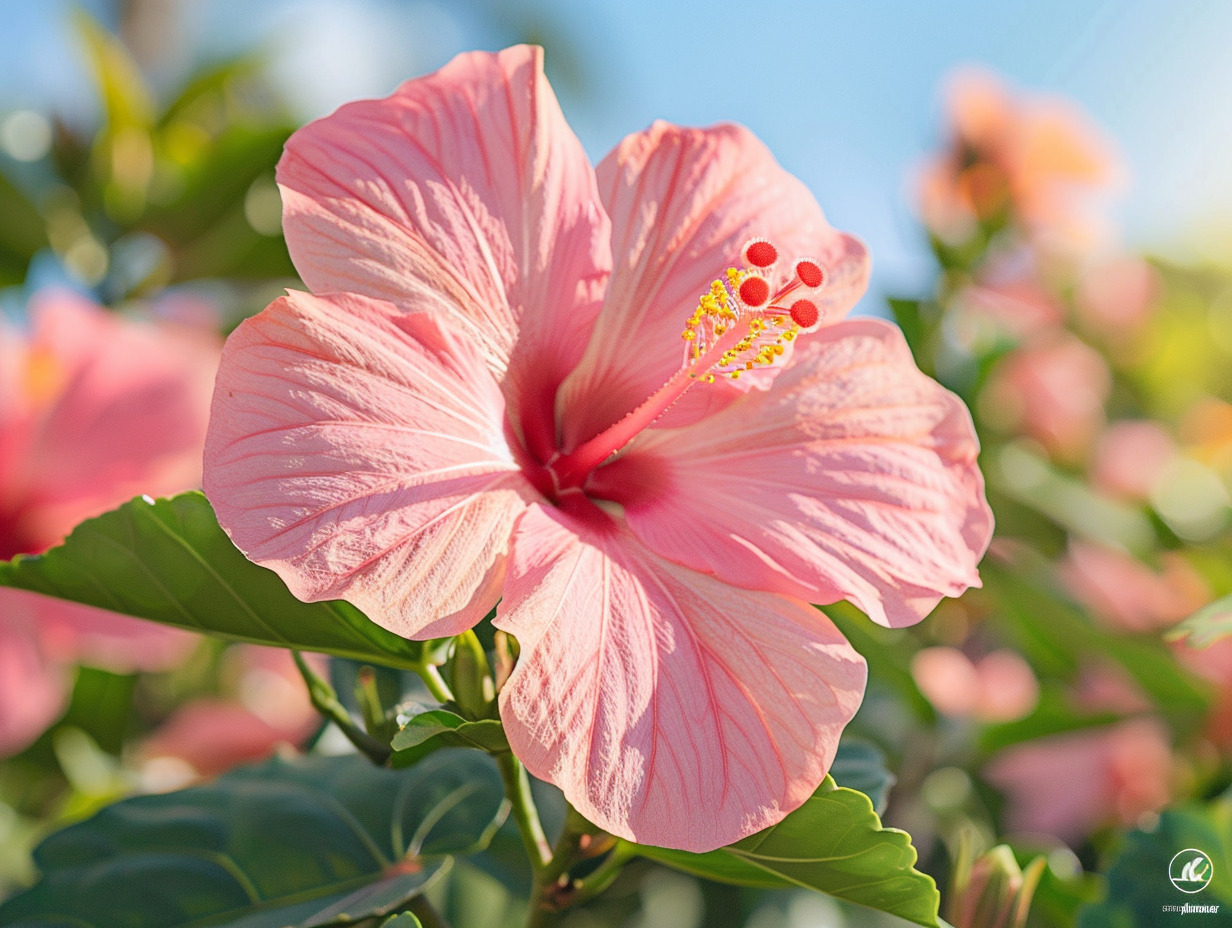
[
  {"x": 93, "y": 411},
  {"x": 1112, "y": 774},
  {"x": 488, "y": 397},
  {"x": 1035, "y": 155},
  {"x": 268, "y": 706}
]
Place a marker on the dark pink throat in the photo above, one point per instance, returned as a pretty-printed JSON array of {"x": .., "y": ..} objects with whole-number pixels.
[{"x": 746, "y": 319}]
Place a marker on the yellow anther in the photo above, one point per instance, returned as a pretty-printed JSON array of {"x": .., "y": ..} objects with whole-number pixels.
[{"x": 735, "y": 375}]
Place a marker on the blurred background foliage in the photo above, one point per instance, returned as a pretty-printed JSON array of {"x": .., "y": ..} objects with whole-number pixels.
[{"x": 1060, "y": 709}]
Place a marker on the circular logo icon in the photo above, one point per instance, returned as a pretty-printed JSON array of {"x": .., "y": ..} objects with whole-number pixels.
[{"x": 1191, "y": 870}]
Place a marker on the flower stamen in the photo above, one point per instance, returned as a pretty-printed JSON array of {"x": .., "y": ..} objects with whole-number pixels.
[{"x": 741, "y": 323}]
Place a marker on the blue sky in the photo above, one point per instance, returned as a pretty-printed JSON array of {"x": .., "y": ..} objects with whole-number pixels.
[{"x": 845, "y": 94}]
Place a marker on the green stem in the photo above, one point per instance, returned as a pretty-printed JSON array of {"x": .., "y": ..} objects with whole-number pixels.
[
  {"x": 566, "y": 847},
  {"x": 525, "y": 815},
  {"x": 325, "y": 701},
  {"x": 422, "y": 909},
  {"x": 544, "y": 901},
  {"x": 603, "y": 875},
  {"x": 435, "y": 683}
]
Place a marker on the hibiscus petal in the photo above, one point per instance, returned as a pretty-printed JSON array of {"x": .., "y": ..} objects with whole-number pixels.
[
  {"x": 683, "y": 203},
  {"x": 358, "y": 451},
  {"x": 467, "y": 191},
  {"x": 853, "y": 477},
  {"x": 671, "y": 708}
]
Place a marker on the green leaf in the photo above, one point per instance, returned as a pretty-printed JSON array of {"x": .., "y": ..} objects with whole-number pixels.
[
  {"x": 1139, "y": 881},
  {"x": 440, "y": 728},
  {"x": 212, "y": 83},
  {"x": 835, "y": 844},
  {"x": 126, "y": 99},
  {"x": 907, "y": 314},
  {"x": 861, "y": 765},
  {"x": 1206, "y": 626},
  {"x": 311, "y": 842},
  {"x": 402, "y": 920},
  {"x": 23, "y": 233},
  {"x": 168, "y": 561},
  {"x": 1029, "y": 479}
]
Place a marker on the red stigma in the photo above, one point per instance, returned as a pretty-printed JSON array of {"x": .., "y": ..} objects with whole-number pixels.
[
  {"x": 804, "y": 313},
  {"x": 754, "y": 291},
  {"x": 760, "y": 253},
  {"x": 810, "y": 274}
]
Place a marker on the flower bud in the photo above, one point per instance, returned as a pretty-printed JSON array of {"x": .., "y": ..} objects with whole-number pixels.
[
  {"x": 993, "y": 891},
  {"x": 471, "y": 678}
]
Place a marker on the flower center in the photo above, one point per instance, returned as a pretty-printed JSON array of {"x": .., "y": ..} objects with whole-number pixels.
[{"x": 742, "y": 323}]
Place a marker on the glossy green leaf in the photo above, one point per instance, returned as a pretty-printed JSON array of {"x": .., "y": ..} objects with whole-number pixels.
[
  {"x": 1140, "y": 883},
  {"x": 440, "y": 728},
  {"x": 1206, "y": 626},
  {"x": 168, "y": 561},
  {"x": 835, "y": 844},
  {"x": 312, "y": 842}
]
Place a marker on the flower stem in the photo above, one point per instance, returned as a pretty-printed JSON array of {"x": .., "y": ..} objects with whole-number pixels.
[
  {"x": 517, "y": 788},
  {"x": 603, "y": 875},
  {"x": 435, "y": 683},
  {"x": 325, "y": 701},
  {"x": 549, "y": 893}
]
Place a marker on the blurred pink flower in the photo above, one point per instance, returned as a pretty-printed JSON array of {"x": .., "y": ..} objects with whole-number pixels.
[
  {"x": 269, "y": 707},
  {"x": 1115, "y": 297},
  {"x": 1130, "y": 457},
  {"x": 1214, "y": 664},
  {"x": 1068, "y": 785},
  {"x": 1053, "y": 390},
  {"x": 94, "y": 410},
  {"x": 1103, "y": 685},
  {"x": 1206, "y": 432},
  {"x": 490, "y": 398},
  {"x": 1009, "y": 293},
  {"x": 1000, "y": 687},
  {"x": 1127, "y": 594},
  {"x": 1038, "y": 157}
]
